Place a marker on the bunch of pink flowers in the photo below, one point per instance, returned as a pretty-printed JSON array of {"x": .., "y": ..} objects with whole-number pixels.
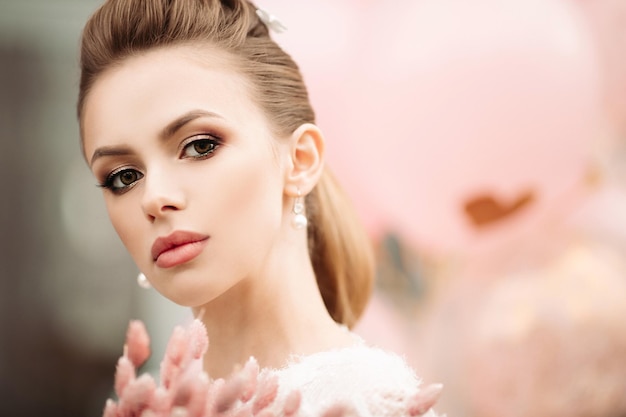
[{"x": 185, "y": 390}]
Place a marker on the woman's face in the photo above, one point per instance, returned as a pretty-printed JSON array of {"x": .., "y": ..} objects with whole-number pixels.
[{"x": 193, "y": 178}]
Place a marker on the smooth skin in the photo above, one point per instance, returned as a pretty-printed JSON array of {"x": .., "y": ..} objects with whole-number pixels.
[{"x": 179, "y": 144}]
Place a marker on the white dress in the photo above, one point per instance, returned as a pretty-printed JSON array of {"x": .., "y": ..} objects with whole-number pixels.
[{"x": 371, "y": 382}]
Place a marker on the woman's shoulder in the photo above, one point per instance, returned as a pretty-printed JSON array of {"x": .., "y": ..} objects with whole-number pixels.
[{"x": 367, "y": 380}]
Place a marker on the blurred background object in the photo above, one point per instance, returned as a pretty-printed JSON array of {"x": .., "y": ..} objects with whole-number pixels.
[
  {"x": 607, "y": 20},
  {"x": 483, "y": 142}
]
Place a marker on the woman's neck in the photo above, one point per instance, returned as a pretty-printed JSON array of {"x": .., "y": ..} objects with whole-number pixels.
[{"x": 270, "y": 317}]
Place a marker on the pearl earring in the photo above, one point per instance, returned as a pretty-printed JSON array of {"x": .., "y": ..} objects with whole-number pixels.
[
  {"x": 142, "y": 281},
  {"x": 299, "y": 220}
]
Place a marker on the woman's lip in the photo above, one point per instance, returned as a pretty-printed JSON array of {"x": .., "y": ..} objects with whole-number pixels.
[
  {"x": 181, "y": 254},
  {"x": 177, "y": 248}
]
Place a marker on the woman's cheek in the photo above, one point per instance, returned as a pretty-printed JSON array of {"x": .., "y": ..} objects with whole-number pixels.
[{"x": 126, "y": 222}]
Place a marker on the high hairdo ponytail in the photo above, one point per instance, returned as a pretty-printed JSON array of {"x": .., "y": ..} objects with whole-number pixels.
[{"x": 339, "y": 248}]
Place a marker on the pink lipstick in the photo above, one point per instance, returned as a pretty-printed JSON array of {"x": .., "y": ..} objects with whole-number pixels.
[{"x": 177, "y": 248}]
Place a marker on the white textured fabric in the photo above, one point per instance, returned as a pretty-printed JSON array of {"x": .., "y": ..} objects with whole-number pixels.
[{"x": 370, "y": 381}]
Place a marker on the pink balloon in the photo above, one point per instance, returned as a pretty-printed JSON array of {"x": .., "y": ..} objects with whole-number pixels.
[
  {"x": 461, "y": 124},
  {"x": 471, "y": 122}
]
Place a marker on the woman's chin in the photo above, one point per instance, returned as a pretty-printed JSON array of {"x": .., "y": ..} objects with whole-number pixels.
[{"x": 187, "y": 294}]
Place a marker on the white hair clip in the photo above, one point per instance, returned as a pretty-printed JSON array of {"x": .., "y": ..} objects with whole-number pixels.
[{"x": 271, "y": 21}]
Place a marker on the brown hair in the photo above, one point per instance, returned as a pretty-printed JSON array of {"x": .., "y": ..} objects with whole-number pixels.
[{"x": 339, "y": 247}]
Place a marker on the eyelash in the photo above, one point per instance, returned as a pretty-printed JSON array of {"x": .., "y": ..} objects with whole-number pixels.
[{"x": 212, "y": 141}]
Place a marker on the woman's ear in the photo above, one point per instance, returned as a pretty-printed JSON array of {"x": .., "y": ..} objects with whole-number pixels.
[{"x": 306, "y": 153}]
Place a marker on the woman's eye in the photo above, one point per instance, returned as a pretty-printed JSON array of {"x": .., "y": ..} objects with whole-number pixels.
[
  {"x": 121, "y": 180},
  {"x": 127, "y": 177},
  {"x": 199, "y": 148}
]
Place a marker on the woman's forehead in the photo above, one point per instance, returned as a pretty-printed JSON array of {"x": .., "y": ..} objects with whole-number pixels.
[{"x": 148, "y": 89}]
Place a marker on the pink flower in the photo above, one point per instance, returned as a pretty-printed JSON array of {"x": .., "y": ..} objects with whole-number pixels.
[
  {"x": 137, "y": 343},
  {"x": 424, "y": 400},
  {"x": 185, "y": 390}
]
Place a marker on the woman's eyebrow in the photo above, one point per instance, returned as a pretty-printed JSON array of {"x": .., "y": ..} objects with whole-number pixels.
[
  {"x": 182, "y": 120},
  {"x": 168, "y": 131},
  {"x": 110, "y": 151}
]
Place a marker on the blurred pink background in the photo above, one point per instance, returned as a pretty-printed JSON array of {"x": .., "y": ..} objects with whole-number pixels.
[{"x": 482, "y": 142}]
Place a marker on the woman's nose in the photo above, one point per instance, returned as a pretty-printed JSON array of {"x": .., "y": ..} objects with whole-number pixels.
[{"x": 162, "y": 195}]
